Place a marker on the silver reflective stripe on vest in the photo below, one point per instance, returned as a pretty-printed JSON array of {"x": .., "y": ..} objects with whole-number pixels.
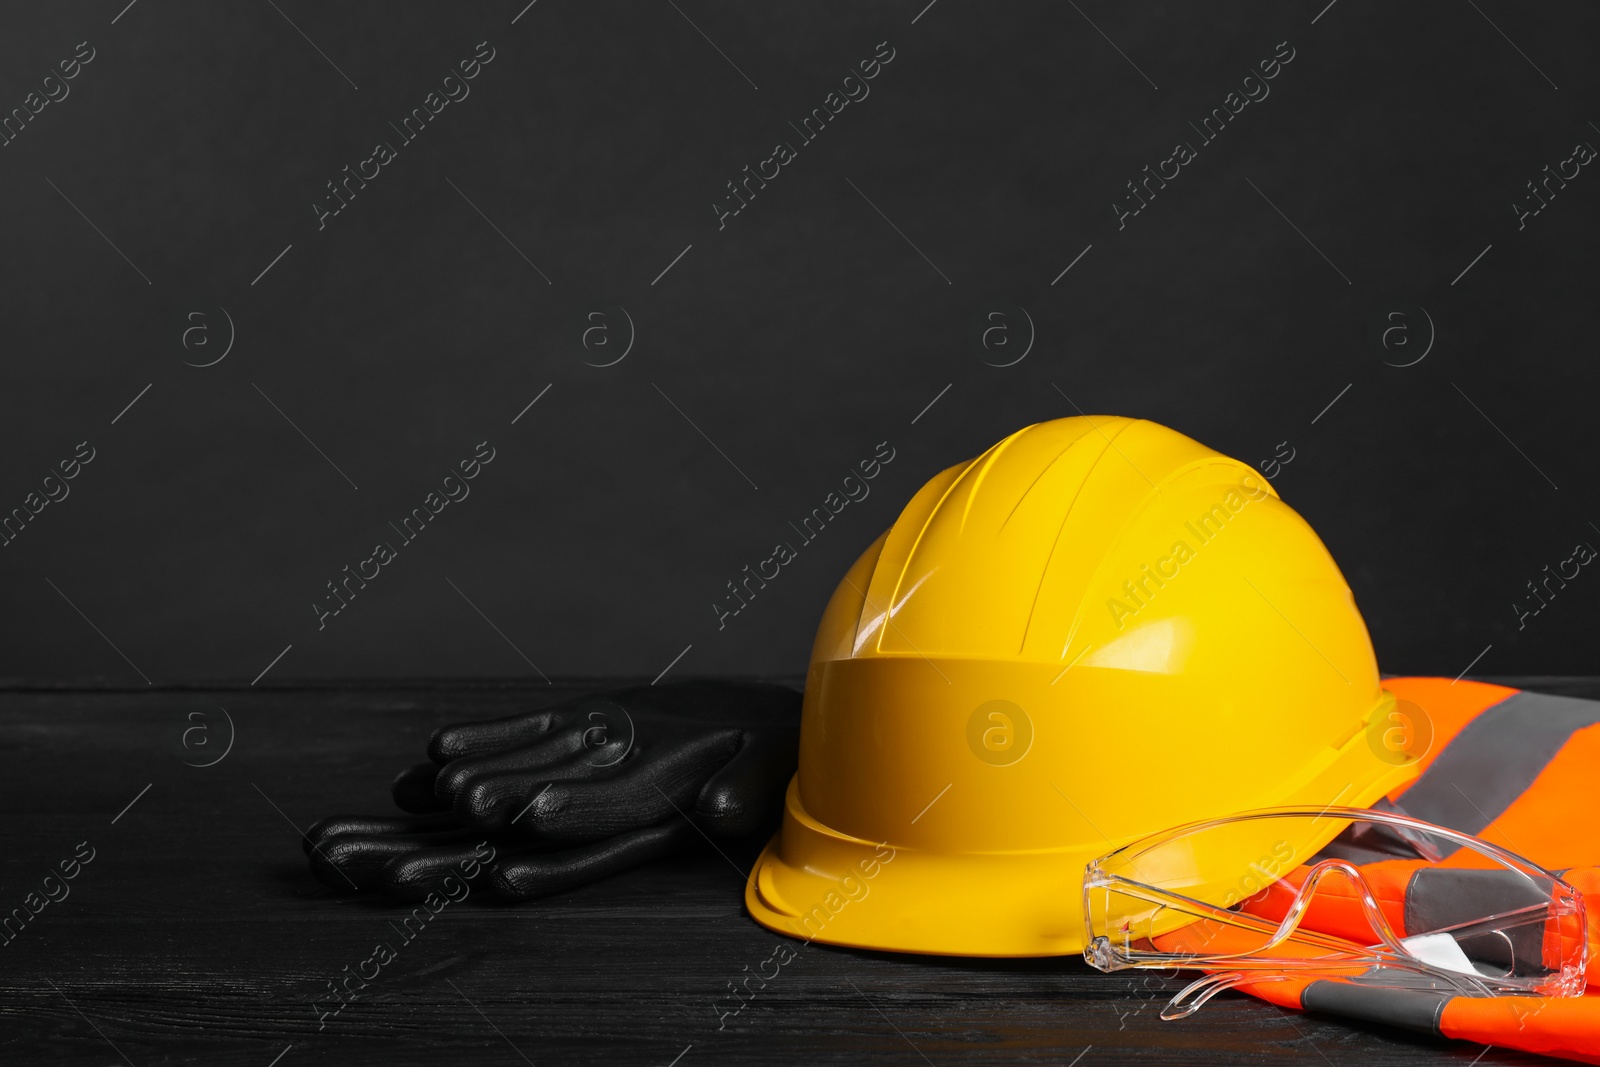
[
  {"x": 1444, "y": 898},
  {"x": 1414, "y": 1009},
  {"x": 1494, "y": 759}
]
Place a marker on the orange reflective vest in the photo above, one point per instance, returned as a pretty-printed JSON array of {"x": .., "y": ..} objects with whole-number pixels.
[{"x": 1517, "y": 769}]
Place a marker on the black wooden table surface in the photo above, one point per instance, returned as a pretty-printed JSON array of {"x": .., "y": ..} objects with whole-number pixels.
[{"x": 195, "y": 935}]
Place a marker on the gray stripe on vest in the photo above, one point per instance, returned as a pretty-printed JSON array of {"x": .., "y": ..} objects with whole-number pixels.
[
  {"x": 1364, "y": 843},
  {"x": 1441, "y": 897},
  {"x": 1414, "y": 1009},
  {"x": 1494, "y": 760}
]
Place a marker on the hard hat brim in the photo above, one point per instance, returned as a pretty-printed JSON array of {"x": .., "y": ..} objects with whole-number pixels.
[{"x": 816, "y": 884}]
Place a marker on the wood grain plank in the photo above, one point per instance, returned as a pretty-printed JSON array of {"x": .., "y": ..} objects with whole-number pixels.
[{"x": 195, "y": 935}]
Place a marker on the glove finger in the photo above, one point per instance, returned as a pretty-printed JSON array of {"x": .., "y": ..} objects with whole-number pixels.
[
  {"x": 492, "y": 802},
  {"x": 527, "y": 875},
  {"x": 598, "y": 718},
  {"x": 742, "y": 795},
  {"x": 412, "y": 789},
  {"x": 336, "y": 825},
  {"x": 448, "y": 870},
  {"x": 560, "y": 746},
  {"x": 357, "y": 861},
  {"x": 647, "y": 787},
  {"x": 463, "y": 739}
]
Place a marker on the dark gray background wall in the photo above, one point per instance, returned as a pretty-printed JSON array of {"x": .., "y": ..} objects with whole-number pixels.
[{"x": 172, "y": 190}]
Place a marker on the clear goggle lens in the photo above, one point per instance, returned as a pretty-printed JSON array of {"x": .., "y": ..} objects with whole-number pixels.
[{"x": 1376, "y": 897}]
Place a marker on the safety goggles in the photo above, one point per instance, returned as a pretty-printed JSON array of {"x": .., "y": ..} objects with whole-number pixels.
[{"x": 1366, "y": 896}]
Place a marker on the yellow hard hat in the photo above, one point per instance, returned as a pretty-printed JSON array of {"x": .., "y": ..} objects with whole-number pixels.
[{"x": 1097, "y": 630}]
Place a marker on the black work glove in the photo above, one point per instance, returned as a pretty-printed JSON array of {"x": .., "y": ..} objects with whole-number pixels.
[{"x": 542, "y": 801}]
